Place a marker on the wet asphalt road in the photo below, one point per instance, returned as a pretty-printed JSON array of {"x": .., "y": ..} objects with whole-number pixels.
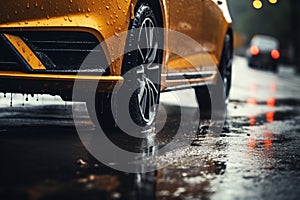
[{"x": 256, "y": 156}]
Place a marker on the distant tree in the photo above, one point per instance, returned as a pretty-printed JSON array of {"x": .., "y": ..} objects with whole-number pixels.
[{"x": 270, "y": 19}]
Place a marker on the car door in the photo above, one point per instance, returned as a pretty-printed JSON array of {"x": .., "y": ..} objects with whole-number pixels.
[
  {"x": 197, "y": 19},
  {"x": 215, "y": 24}
]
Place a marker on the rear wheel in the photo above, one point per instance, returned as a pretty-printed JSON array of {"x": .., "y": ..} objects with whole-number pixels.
[
  {"x": 203, "y": 94},
  {"x": 226, "y": 65}
]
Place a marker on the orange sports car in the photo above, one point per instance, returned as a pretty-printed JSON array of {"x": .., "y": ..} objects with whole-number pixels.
[{"x": 44, "y": 43}]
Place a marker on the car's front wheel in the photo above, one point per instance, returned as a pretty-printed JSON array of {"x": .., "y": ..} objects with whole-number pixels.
[
  {"x": 141, "y": 71},
  {"x": 143, "y": 65}
]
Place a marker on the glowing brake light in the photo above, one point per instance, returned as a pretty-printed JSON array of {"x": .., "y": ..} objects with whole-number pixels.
[
  {"x": 275, "y": 54},
  {"x": 254, "y": 50}
]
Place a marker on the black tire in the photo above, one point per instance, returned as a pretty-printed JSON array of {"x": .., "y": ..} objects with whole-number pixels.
[
  {"x": 141, "y": 70},
  {"x": 204, "y": 101},
  {"x": 144, "y": 65},
  {"x": 275, "y": 68},
  {"x": 203, "y": 95},
  {"x": 226, "y": 65}
]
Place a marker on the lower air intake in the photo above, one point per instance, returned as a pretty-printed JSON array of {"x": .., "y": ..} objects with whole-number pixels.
[{"x": 66, "y": 51}]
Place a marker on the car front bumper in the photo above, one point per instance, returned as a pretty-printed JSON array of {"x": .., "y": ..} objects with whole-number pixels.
[{"x": 18, "y": 82}]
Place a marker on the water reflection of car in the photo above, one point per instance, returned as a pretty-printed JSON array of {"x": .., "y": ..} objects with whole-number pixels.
[
  {"x": 44, "y": 42},
  {"x": 264, "y": 52}
]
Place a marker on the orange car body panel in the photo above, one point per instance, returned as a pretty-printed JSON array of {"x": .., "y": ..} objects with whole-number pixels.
[{"x": 205, "y": 21}]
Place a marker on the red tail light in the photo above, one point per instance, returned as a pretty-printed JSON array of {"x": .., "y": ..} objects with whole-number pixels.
[
  {"x": 275, "y": 54},
  {"x": 254, "y": 50}
]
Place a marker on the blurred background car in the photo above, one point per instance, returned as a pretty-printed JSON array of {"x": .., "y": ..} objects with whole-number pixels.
[{"x": 263, "y": 52}]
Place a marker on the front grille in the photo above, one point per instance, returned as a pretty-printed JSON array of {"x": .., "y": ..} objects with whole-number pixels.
[
  {"x": 8, "y": 58},
  {"x": 66, "y": 51}
]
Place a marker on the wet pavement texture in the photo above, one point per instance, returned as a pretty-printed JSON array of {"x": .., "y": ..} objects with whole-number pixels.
[{"x": 256, "y": 156}]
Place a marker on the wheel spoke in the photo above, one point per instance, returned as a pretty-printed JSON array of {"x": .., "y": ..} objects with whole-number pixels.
[
  {"x": 143, "y": 41},
  {"x": 147, "y": 99},
  {"x": 152, "y": 86},
  {"x": 147, "y": 45},
  {"x": 139, "y": 48},
  {"x": 152, "y": 100},
  {"x": 148, "y": 113},
  {"x": 144, "y": 106},
  {"x": 150, "y": 49},
  {"x": 143, "y": 101},
  {"x": 141, "y": 54},
  {"x": 147, "y": 39},
  {"x": 142, "y": 90}
]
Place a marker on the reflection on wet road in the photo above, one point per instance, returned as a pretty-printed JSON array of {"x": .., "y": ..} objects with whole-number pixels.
[{"x": 257, "y": 155}]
